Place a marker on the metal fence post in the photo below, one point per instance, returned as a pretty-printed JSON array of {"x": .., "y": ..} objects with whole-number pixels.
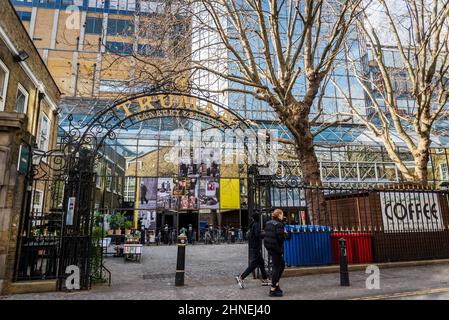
[
  {"x": 344, "y": 274},
  {"x": 181, "y": 260}
]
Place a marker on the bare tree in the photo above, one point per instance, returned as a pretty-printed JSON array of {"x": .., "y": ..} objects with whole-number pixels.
[
  {"x": 417, "y": 32},
  {"x": 272, "y": 47}
]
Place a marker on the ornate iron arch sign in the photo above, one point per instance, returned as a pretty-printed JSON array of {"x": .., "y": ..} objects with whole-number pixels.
[{"x": 146, "y": 106}]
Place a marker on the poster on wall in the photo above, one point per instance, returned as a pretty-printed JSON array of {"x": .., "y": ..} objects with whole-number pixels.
[
  {"x": 185, "y": 190},
  {"x": 209, "y": 193},
  {"x": 148, "y": 219},
  {"x": 209, "y": 169},
  {"x": 229, "y": 193},
  {"x": 411, "y": 211},
  {"x": 147, "y": 195},
  {"x": 188, "y": 170},
  {"x": 165, "y": 193}
]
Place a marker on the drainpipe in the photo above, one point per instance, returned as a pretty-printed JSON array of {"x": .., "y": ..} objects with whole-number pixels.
[{"x": 40, "y": 97}]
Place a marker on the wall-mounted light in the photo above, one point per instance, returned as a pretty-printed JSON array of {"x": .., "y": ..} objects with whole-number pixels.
[{"x": 21, "y": 56}]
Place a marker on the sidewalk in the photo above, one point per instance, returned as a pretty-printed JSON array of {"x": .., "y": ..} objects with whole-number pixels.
[
  {"x": 211, "y": 277},
  {"x": 316, "y": 287}
]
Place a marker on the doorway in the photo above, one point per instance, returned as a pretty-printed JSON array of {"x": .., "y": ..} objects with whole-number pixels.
[{"x": 186, "y": 218}]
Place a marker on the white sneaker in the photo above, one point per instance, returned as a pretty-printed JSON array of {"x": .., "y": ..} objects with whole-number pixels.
[
  {"x": 239, "y": 282},
  {"x": 266, "y": 282}
]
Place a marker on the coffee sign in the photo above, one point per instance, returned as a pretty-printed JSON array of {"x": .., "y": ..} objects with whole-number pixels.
[{"x": 411, "y": 211}]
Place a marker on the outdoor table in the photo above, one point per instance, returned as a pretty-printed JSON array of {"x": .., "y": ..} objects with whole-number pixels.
[{"x": 132, "y": 251}]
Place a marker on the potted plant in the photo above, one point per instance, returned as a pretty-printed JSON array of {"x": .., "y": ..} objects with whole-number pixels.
[
  {"x": 116, "y": 223},
  {"x": 128, "y": 226},
  {"x": 111, "y": 224}
]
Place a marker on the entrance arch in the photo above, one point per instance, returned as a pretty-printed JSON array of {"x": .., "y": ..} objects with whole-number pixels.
[{"x": 67, "y": 174}]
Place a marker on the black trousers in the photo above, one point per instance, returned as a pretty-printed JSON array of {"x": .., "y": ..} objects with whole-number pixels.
[
  {"x": 278, "y": 267},
  {"x": 256, "y": 261}
]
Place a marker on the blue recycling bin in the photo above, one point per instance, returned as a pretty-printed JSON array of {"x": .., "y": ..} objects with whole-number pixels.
[{"x": 309, "y": 245}]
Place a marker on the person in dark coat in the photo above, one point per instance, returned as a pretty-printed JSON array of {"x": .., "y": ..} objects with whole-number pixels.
[
  {"x": 274, "y": 243},
  {"x": 255, "y": 251},
  {"x": 190, "y": 234},
  {"x": 143, "y": 194}
]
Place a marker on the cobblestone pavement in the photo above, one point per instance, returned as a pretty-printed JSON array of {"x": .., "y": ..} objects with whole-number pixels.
[{"x": 209, "y": 275}]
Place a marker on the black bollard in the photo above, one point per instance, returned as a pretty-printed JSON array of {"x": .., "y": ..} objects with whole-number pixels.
[
  {"x": 181, "y": 260},
  {"x": 344, "y": 273}
]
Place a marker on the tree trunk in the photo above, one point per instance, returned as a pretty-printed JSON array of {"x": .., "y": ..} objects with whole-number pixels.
[
  {"x": 421, "y": 157},
  {"x": 310, "y": 168}
]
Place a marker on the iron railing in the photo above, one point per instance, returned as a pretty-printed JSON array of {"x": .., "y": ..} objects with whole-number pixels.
[{"x": 384, "y": 224}]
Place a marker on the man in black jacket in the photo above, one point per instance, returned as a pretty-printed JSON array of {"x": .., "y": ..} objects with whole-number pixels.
[
  {"x": 274, "y": 243},
  {"x": 255, "y": 250}
]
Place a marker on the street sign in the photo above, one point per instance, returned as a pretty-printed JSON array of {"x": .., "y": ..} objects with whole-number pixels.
[
  {"x": 70, "y": 211},
  {"x": 24, "y": 157}
]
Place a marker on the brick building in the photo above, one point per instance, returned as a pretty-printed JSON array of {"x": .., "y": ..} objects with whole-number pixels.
[{"x": 28, "y": 120}]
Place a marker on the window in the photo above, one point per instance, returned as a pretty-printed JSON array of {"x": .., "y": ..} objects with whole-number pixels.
[
  {"x": 98, "y": 176},
  {"x": 78, "y": 3},
  {"x": 149, "y": 6},
  {"x": 444, "y": 172},
  {"x": 149, "y": 50},
  {"x": 126, "y": 5},
  {"x": 139, "y": 164},
  {"x": 44, "y": 134},
  {"x": 37, "y": 202},
  {"x": 120, "y": 184},
  {"x": 4, "y": 76},
  {"x": 108, "y": 179},
  {"x": 24, "y": 15},
  {"x": 120, "y": 27},
  {"x": 21, "y": 100},
  {"x": 93, "y": 25},
  {"x": 113, "y": 86},
  {"x": 96, "y": 3},
  {"x": 119, "y": 47},
  {"x": 48, "y": 1},
  {"x": 130, "y": 184}
]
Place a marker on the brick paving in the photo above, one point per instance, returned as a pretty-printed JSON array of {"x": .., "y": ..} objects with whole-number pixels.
[{"x": 209, "y": 275}]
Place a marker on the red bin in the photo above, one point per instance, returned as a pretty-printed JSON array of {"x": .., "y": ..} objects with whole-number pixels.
[
  {"x": 335, "y": 236},
  {"x": 363, "y": 249},
  {"x": 358, "y": 247}
]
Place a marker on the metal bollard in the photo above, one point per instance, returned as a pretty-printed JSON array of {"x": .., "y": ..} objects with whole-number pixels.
[
  {"x": 344, "y": 273},
  {"x": 181, "y": 260}
]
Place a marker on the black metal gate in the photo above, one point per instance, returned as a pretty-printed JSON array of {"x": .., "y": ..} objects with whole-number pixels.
[
  {"x": 56, "y": 223},
  {"x": 57, "y": 218}
]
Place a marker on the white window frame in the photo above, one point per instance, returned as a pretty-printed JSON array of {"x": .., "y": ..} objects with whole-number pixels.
[
  {"x": 5, "y": 88},
  {"x": 444, "y": 172},
  {"x": 139, "y": 163},
  {"x": 115, "y": 182},
  {"x": 128, "y": 189},
  {"x": 47, "y": 143},
  {"x": 109, "y": 179},
  {"x": 39, "y": 207},
  {"x": 26, "y": 94}
]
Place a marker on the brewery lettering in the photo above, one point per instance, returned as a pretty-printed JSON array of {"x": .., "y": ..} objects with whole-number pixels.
[{"x": 146, "y": 104}]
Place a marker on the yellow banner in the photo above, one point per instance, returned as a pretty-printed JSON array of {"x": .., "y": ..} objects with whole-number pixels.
[
  {"x": 229, "y": 194},
  {"x": 136, "y": 211}
]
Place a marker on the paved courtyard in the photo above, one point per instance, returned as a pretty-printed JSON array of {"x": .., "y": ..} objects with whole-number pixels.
[{"x": 210, "y": 270}]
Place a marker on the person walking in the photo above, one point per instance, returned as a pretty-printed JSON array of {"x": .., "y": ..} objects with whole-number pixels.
[
  {"x": 143, "y": 194},
  {"x": 274, "y": 243},
  {"x": 255, "y": 251}
]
